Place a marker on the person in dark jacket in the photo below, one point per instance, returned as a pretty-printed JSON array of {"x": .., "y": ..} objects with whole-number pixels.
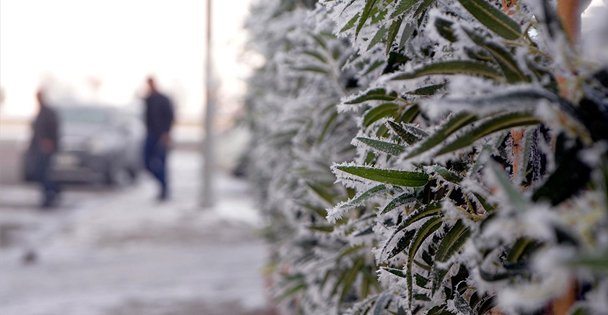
[
  {"x": 159, "y": 120},
  {"x": 44, "y": 144}
]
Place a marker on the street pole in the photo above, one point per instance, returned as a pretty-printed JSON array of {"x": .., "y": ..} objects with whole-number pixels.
[{"x": 207, "y": 195}]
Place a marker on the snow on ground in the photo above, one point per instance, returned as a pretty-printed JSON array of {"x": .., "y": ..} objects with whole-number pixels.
[{"x": 117, "y": 251}]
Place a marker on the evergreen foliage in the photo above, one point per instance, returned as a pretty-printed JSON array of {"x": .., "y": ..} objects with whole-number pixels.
[{"x": 470, "y": 146}]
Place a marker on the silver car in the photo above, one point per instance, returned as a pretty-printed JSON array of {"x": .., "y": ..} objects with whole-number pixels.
[{"x": 98, "y": 144}]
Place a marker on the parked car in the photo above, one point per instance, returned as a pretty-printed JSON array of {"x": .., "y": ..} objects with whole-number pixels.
[{"x": 97, "y": 144}]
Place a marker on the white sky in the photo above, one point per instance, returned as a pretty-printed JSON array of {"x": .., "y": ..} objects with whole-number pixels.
[{"x": 68, "y": 45}]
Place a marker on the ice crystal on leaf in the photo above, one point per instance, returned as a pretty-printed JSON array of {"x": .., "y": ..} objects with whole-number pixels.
[{"x": 430, "y": 156}]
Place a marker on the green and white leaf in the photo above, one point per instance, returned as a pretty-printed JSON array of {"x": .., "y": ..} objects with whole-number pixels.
[
  {"x": 386, "y": 176},
  {"x": 486, "y": 127},
  {"x": 382, "y": 146}
]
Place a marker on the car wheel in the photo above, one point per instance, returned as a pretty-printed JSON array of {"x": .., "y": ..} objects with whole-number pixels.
[
  {"x": 111, "y": 175},
  {"x": 133, "y": 174}
]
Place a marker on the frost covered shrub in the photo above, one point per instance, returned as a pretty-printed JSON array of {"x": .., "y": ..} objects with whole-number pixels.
[
  {"x": 298, "y": 134},
  {"x": 480, "y": 178}
]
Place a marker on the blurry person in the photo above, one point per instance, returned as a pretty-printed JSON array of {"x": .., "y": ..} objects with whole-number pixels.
[
  {"x": 159, "y": 120},
  {"x": 44, "y": 144}
]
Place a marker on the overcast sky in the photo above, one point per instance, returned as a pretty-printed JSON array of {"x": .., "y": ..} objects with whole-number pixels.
[{"x": 103, "y": 49}]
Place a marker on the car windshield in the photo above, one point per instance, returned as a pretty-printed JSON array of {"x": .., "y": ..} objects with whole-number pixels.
[{"x": 85, "y": 115}]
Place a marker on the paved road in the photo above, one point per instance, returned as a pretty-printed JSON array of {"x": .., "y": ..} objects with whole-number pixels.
[{"x": 117, "y": 251}]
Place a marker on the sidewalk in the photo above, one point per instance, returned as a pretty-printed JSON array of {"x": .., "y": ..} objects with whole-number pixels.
[{"x": 119, "y": 252}]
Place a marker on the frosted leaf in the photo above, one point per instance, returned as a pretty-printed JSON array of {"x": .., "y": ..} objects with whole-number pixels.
[
  {"x": 554, "y": 279},
  {"x": 592, "y": 156}
]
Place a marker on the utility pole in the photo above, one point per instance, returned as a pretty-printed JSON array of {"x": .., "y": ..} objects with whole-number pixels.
[{"x": 208, "y": 195}]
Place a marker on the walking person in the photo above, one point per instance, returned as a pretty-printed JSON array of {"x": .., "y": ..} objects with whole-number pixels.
[
  {"x": 159, "y": 120},
  {"x": 43, "y": 146}
]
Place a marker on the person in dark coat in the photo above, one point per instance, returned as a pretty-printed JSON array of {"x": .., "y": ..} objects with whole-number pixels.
[
  {"x": 159, "y": 120},
  {"x": 43, "y": 146}
]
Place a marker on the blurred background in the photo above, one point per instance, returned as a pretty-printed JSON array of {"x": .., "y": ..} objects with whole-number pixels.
[{"x": 109, "y": 247}]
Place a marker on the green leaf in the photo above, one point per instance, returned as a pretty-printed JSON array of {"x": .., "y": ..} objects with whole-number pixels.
[
  {"x": 427, "y": 90},
  {"x": 373, "y": 66},
  {"x": 423, "y": 7},
  {"x": 351, "y": 23},
  {"x": 493, "y": 18},
  {"x": 321, "y": 228},
  {"x": 423, "y": 233},
  {"x": 396, "y": 202},
  {"x": 421, "y": 281},
  {"x": 373, "y": 95},
  {"x": 377, "y": 38},
  {"x": 402, "y": 243},
  {"x": 408, "y": 31},
  {"x": 318, "y": 210},
  {"x": 580, "y": 309},
  {"x": 314, "y": 69},
  {"x": 447, "y": 174},
  {"x": 379, "y": 112},
  {"x": 291, "y": 291},
  {"x": 484, "y": 203},
  {"x": 520, "y": 98},
  {"x": 486, "y": 305},
  {"x": 422, "y": 297},
  {"x": 428, "y": 227},
  {"x": 324, "y": 192},
  {"x": 350, "y": 278},
  {"x": 381, "y": 304},
  {"x": 494, "y": 276},
  {"x": 518, "y": 249},
  {"x": 347, "y": 6},
  {"x": 441, "y": 310},
  {"x": 319, "y": 40},
  {"x": 504, "y": 58},
  {"x": 339, "y": 281},
  {"x": 397, "y": 272},
  {"x": 452, "y": 124},
  {"x": 519, "y": 202},
  {"x": 363, "y": 308},
  {"x": 387, "y": 176},
  {"x": 592, "y": 262},
  {"x": 410, "y": 114},
  {"x": 444, "y": 28},
  {"x": 409, "y": 134},
  {"x": 452, "y": 242},
  {"x": 459, "y": 67},
  {"x": 438, "y": 276},
  {"x": 330, "y": 121},
  {"x": 382, "y": 146},
  {"x": 487, "y": 127},
  {"x": 349, "y": 250},
  {"x": 362, "y": 197},
  {"x": 315, "y": 55},
  {"x": 392, "y": 33},
  {"x": 365, "y": 14},
  {"x": 403, "y": 6},
  {"x": 430, "y": 210},
  {"x": 368, "y": 282}
]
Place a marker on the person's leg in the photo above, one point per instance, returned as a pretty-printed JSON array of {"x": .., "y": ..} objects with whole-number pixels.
[
  {"x": 162, "y": 171},
  {"x": 155, "y": 155},
  {"x": 53, "y": 185},
  {"x": 149, "y": 155},
  {"x": 42, "y": 176}
]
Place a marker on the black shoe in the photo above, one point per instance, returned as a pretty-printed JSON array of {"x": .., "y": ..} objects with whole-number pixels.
[
  {"x": 29, "y": 257},
  {"x": 50, "y": 200},
  {"x": 163, "y": 196}
]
